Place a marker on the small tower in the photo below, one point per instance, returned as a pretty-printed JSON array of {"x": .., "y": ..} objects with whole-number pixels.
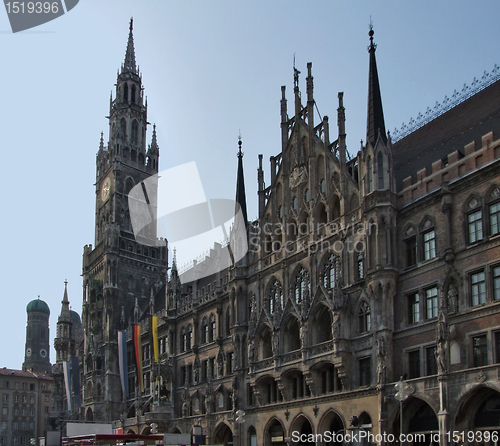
[
  {"x": 37, "y": 348},
  {"x": 63, "y": 342}
]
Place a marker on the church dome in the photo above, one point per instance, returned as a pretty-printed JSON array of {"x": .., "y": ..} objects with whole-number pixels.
[
  {"x": 75, "y": 317},
  {"x": 37, "y": 306}
]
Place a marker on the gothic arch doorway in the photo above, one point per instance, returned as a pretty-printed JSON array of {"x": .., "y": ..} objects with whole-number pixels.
[
  {"x": 301, "y": 426},
  {"x": 479, "y": 411},
  {"x": 332, "y": 423},
  {"x": 418, "y": 418},
  {"x": 223, "y": 435},
  {"x": 275, "y": 434},
  {"x": 89, "y": 416}
]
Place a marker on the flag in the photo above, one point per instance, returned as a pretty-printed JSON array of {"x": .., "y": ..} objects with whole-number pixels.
[
  {"x": 67, "y": 384},
  {"x": 138, "y": 355},
  {"x": 154, "y": 330},
  {"x": 75, "y": 378},
  {"x": 122, "y": 360}
]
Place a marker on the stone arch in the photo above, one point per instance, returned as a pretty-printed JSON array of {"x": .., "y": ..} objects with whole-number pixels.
[
  {"x": 291, "y": 334},
  {"x": 264, "y": 343},
  {"x": 321, "y": 326},
  {"x": 146, "y": 430},
  {"x": 334, "y": 205},
  {"x": 223, "y": 434},
  {"x": 331, "y": 421},
  {"x": 131, "y": 431},
  {"x": 303, "y": 426},
  {"x": 418, "y": 417},
  {"x": 89, "y": 415},
  {"x": 477, "y": 409},
  {"x": 274, "y": 429}
]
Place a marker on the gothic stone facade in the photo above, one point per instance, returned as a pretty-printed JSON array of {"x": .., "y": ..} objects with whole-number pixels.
[{"x": 359, "y": 272}]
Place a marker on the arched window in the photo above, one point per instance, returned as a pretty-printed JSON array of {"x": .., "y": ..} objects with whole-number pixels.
[
  {"x": 302, "y": 285},
  {"x": 228, "y": 323},
  {"x": 364, "y": 317},
  {"x": 135, "y": 131},
  {"x": 204, "y": 331},
  {"x": 123, "y": 127},
  {"x": 133, "y": 93},
  {"x": 322, "y": 186},
  {"x": 275, "y": 297},
  {"x": 125, "y": 92},
  {"x": 474, "y": 221},
  {"x": 212, "y": 329},
  {"x": 369, "y": 174},
  {"x": 380, "y": 170},
  {"x": 329, "y": 272},
  {"x": 189, "y": 336}
]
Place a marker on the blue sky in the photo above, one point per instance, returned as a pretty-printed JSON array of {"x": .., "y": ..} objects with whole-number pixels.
[{"x": 210, "y": 70}]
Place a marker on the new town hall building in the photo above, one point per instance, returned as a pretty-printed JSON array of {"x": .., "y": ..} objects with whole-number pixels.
[{"x": 359, "y": 272}]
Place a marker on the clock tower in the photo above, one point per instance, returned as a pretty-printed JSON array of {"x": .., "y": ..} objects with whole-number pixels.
[
  {"x": 37, "y": 348},
  {"x": 118, "y": 271}
]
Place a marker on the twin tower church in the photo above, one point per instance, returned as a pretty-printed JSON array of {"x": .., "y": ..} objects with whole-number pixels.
[{"x": 302, "y": 334}]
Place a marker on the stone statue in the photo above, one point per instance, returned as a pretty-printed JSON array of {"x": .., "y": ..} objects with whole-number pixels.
[
  {"x": 303, "y": 335},
  {"x": 452, "y": 299},
  {"x": 381, "y": 367},
  {"x": 381, "y": 347},
  {"x": 276, "y": 343},
  {"x": 336, "y": 326},
  {"x": 251, "y": 352},
  {"x": 184, "y": 409},
  {"x": 441, "y": 357}
]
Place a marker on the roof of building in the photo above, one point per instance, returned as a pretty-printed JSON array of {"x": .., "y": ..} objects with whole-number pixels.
[
  {"x": 37, "y": 306},
  {"x": 23, "y": 374},
  {"x": 459, "y": 126}
]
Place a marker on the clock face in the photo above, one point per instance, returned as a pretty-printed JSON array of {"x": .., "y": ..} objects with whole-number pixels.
[
  {"x": 43, "y": 353},
  {"x": 106, "y": 185},
  {"x": 28, "y": 352}
]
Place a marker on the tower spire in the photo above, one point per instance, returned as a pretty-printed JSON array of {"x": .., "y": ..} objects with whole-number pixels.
[
  {"x": 240, "y": 185},
  {"x": 375, "y": 120},
  {"x": 129, "y": 64}
]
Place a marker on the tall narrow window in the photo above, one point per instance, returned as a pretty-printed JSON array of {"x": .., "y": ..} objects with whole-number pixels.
[
  {"x": 475, "y": 225},
  {"x": 478, "y": 288},
  {"x": 135, "y": 131},
  {"x": 431, "y": 297},
  {"x": 411, "y": 251},
  {"x": 430, "y": 361},
  {"x": 365, "y": 372},
  {"x": 496, "y": 283},
  {"x": 429, "y": 244},
  {"x": 495, "y": 219},
  {"x": 360, "y": 264},
  {"x": 133, "y": 93},
  {"x": 125, "y": 92},
  {"x": 329, "y": 272},
  {"x": 414, "y": 364},
  {"x": 413, "y": 308},
  {"x": 301, "y": 285},
  {"x": 479, "y": 351},
  {"x": 369, "y": 174},
  {"x": 364, "y": 317},
  {"x": 380, "y": 170}
]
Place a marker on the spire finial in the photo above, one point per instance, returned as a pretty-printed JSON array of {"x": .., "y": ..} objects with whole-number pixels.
[
  {"x": 101, "y": 142},
  {"x": 295, "y": 74},
  {"x": 240, "y": 153},
  {"x": 175, "y": 256},
  {"x": 129, "y": 64},
  {"x": 371, "y": 33}
]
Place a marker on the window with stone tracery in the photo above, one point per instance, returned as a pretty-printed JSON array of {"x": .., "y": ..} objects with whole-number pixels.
[
  {"x": 329, "y": 272},
  {"x": 302, "y": 285},
  {"x": 275, "y": 297}
]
